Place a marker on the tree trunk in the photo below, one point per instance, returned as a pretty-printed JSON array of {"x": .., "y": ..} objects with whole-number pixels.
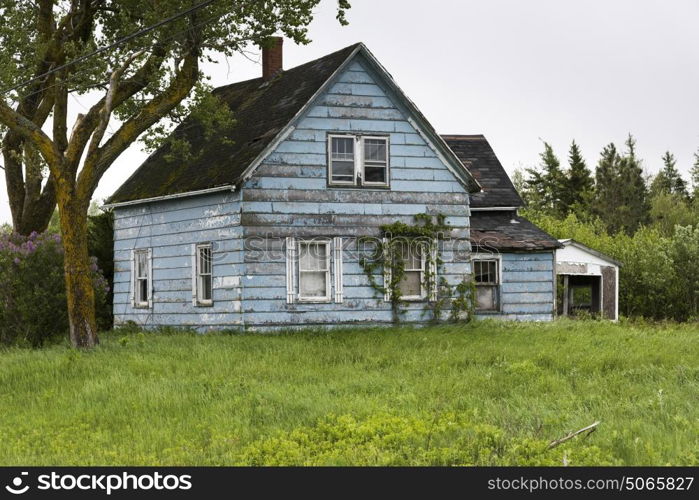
[
  {"x": 80, "y": 293},
  {"x": 31, "y": 206}
]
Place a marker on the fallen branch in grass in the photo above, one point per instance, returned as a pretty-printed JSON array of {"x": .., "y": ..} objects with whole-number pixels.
[{"x": 589, "y": 429}]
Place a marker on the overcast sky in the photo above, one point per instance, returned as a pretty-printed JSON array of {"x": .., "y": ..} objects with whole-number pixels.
[{"x": 518, "y": 72}]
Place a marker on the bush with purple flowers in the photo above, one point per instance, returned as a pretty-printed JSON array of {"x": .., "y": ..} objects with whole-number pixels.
[{"x": 32, "y": 292}]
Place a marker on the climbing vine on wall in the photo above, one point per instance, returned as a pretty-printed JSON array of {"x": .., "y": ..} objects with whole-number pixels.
[{"x": 400, "y": 240}]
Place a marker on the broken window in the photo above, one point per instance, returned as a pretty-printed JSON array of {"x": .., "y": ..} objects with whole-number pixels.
[{"x": 487, "y": 277}]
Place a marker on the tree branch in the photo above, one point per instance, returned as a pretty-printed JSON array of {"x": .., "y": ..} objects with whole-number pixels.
[
  {"x": 60, "y": 115},
  {"x": 31, "y": 132},
  {"x": 106, "y": 111},
  {"x": 84, "y": 128},
  {"x": 98, "y": 163}
]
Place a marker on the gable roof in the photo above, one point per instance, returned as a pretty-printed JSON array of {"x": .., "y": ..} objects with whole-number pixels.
[
  {"x": 264, "y": 113},
  {"x": 475, "y": 153},
  {"x": 508, "y": 231},
  {"x": 571, "y": 242}
]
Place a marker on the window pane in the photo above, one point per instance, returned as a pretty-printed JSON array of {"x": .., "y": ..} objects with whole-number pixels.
[
  {"x": 205, "y": 260},
  {"x": 485, "y": 271},
  {"x": 342, "y": 171},
  {"x": 141, "y": 264},
  {"x": 343, "y": 148},
  {"x": 375, "y": 150},
  {"x": 493, "y": 271},
  {"x": 410, "y": 285},
  {"x": 485, "y": 297},
  {"x": 142, "y": 290},
  {"x": 205, "y": 288},
  {"x": 312, "y": 284},
  {"x": 375, "y": 174},
  {"x": 411, "y": 253},
  {"x": 313, "y": 257}
]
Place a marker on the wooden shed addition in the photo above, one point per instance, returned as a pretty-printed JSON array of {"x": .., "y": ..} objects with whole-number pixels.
[{"x": 588, "y": 281}]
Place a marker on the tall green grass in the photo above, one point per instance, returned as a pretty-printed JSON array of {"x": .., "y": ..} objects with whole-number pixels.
[{"x": 490, "y": 393}]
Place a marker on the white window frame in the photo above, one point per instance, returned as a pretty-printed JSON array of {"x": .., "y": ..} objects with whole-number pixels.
[
  {"x": 421, "y": 269},
  {"x": 388, "y": 173},
  {"x": 332, "y": 182},
  {"x": 498, "y": 274},
  {"x": 198, "y": 282},
  {"x": 137, "y": 277},
  {"x": 328, "y": 271},
  {"x": 359, "y": 161}
]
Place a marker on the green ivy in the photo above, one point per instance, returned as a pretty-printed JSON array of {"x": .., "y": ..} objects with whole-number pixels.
[{"x": 429, "y": 229}]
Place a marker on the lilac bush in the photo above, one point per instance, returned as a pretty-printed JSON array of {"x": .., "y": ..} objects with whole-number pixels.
[{"x": 32, "y": 288}]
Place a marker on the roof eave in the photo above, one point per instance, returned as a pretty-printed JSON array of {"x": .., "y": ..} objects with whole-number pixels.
[
  {"x": 186, "y": 194},
  {"x": 570, "y": 241}
]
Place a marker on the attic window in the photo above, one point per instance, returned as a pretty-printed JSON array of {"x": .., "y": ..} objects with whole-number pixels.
[{"x": 358, "y": 161}]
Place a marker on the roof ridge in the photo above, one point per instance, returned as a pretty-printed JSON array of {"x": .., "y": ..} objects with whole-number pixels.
[
  {"x": 457, "y": 137},
  {"x": 313, "y": 61}
]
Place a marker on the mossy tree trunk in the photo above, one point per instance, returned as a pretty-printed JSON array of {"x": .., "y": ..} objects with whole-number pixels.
[{"x": 80, "y": 293}]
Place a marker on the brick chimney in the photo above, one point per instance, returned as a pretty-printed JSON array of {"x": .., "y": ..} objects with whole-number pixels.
[{"x": 272, "y": 58}]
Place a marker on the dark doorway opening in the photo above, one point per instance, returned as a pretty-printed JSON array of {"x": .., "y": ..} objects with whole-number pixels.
[{"x": 579, "y": 295}]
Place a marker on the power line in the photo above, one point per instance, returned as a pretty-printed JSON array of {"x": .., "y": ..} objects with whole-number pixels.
[{"x": 111, "y": 45}]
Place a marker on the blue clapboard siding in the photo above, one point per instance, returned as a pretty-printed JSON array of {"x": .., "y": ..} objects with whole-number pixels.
[
  {"x": 288, "y": 195},
  {"x": 527, "y": 290},
  {"x": 170, "y": 228}
]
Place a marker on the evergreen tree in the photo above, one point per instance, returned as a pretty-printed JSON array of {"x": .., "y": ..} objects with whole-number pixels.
[
  {"x": 694, "y": 176},
  {"x": 669, "y": 180},
  {"x": 606, "y": 193},
  {"x": 621, "y": 195},
  {"x": 578, "y": 182},
  {"x": 634, "y": 204},
  {"x": 545, "y": 185}
]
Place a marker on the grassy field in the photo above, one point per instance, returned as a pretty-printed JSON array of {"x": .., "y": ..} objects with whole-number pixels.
[{"x": 489, "y": 393}]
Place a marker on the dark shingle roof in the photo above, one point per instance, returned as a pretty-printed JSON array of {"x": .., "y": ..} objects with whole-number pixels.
[
  {"x": 507, "y": 231},
  {"x": 261, "y": 110},
  {"x": 479, "y": 158}
]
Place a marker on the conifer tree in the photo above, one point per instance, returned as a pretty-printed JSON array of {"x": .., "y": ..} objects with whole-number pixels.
[
  {"x": 694, "y": 176},
  {"x": 634, "y": 203},
  {"x": 669, "y": 180},
  {"x": 606, "y": 193},
  {"x": 578, "y": 183},
  {"x": 544, "y": 186}
]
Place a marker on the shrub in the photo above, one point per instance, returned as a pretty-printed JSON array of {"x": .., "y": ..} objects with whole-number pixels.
[
  {"x": 658, "y": 277},
  {"x": 32, "y": 296},
  {"x": 100, "y": 240},
  {"x": 445, "y": 439}
]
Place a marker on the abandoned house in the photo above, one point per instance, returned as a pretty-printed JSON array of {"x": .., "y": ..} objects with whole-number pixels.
[{"x": 263, "y": 226}]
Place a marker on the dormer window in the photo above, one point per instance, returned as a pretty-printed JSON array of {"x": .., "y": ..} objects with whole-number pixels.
[{"x": 358, "y": 161}]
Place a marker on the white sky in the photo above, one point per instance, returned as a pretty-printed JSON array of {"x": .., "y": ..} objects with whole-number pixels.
[{"x": 517, "y": 71}]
